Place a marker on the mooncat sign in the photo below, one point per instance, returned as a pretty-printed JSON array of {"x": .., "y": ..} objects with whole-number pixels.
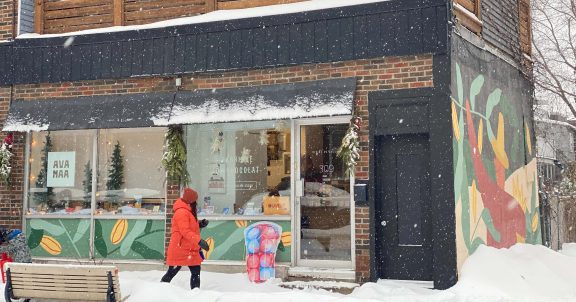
[{"x": 61, "y": 169}]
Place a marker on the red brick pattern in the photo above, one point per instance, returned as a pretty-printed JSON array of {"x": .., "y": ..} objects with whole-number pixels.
[
  {"x": 372, "y": 75},
  {"x": 362, "y": 244},
  {"x": 6, "y": 19}
]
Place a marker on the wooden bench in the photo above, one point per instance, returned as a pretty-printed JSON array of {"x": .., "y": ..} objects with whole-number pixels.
[{"x": 61, "y": 282}]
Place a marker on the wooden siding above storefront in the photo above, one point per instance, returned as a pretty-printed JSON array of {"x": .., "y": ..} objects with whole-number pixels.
[{"x": 389, "y": 28}]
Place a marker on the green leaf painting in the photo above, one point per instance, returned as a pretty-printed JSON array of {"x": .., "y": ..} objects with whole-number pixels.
[
  {"x": 34, "y": 238},
  {"x": 50, "y": 228},
  {"x": 99, "y": 242},
  {"x": 83, "y": 227},
  {"x": 137, "y": 230}
]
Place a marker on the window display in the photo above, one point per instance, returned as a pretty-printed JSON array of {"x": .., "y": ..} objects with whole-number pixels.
[
  {"x": 130, "y": 177},
  {"x": 60, "y": 172},
  {"x": 240, "y": 168}
]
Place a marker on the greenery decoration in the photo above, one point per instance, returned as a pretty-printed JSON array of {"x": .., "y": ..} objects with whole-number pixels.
[
  {"x": 174, "y": 158},
  {"x": 5, "y": 156},
  {"x": 350, "y": 147},
  {"x": 116, "y": 171},
  {"x": 44, "y": 198},
  {"x": 87, "y": 182}
]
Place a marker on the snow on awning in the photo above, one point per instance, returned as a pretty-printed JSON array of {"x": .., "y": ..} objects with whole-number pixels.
[
  {"x": 91, "y": 112},
  {"x": 280, "y": 101}
]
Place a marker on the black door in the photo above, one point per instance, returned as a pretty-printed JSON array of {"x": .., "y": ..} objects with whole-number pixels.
[{"x": 403, "y": 220}]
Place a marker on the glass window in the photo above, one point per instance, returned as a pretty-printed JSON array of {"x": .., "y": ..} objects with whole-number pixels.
[
  {"x": 240, "y": 168},
  {"x": 60, "y": 173},
  {"x": 130, "y": 173}
]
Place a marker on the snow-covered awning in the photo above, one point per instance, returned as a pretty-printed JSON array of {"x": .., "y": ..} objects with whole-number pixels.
[
  {"x": 90, "y": 112},
  {"x": 280, "y": 101}
]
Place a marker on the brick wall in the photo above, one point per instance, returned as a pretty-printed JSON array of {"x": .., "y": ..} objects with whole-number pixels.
[
  {"x": 374, "y": 74},
  {"x": 6, "y": 19},
  {"x": 11, "y": 195}
]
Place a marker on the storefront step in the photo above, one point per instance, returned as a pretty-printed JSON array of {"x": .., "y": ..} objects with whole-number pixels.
[
  {"x": 312, "y": 273},
  {"x": 332, "y": 286},
  {"x": 122, "y": 265},
  {"x": 235, "y": 267}
]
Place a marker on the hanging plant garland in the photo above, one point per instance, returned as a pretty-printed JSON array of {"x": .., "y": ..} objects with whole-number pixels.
[
  {"x": 349, "y": 151},
  {"x": 5, "y": 156},
  {"x": 174, "y": 158}
]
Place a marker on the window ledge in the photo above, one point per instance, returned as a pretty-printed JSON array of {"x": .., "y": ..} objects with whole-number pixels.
[{"x": 467, "y": 18}]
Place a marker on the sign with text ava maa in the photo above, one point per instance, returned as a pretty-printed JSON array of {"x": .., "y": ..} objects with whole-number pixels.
[{"x": 61, "y": 169}]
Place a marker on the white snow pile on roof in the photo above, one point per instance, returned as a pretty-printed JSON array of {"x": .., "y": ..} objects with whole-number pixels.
[{"x": 221, "y": 15}]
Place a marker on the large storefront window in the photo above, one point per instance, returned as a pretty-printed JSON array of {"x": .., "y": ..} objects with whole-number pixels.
[
  {"x": 241, "y": 168},
  {"x": 60, "y": 172},
  {"x": 130, "y": 174},
  {"x": 97, "y": 194}
]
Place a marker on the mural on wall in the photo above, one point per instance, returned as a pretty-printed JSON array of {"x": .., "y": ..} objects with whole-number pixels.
[
  {"x": 226, "y": 240},
  {"x": 495, "y": 177},
  {"x": 66, "y": 238},
  {"x": 114, "y": 238}
]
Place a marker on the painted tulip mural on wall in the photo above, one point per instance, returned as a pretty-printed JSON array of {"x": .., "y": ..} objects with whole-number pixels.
[
  {"x": 114, "y": 238},
  {"x": 495, "y": 179},
  {"x": 226, "y": 240}
]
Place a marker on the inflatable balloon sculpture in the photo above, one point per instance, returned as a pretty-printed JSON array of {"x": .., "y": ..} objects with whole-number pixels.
[{"x": 261, "y": 240}]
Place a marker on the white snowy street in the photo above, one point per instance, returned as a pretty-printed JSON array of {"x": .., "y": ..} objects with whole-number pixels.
[{"x": 521, "y": 273}]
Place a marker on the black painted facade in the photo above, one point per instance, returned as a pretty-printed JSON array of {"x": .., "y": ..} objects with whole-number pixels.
[{"x": 388, "y": 28}]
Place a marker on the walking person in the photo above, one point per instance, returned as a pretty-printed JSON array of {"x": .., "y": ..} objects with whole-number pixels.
[{"x": 186, "y": 245}]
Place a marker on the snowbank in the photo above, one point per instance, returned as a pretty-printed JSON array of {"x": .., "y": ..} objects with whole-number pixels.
[
  {"x": 569, "y": 249},
  {"x": 523, "y": 273}
]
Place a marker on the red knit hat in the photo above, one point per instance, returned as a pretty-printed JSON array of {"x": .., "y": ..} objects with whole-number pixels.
[{"x": 189, "y": 195}]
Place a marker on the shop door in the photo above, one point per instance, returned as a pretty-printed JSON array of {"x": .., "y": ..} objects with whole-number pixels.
[
  {"x": 323, "y": 211},
  {"x": 403, "y": 224}
]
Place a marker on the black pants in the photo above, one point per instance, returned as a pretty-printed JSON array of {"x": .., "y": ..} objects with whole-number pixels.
[{"x": 194, "y": 278}]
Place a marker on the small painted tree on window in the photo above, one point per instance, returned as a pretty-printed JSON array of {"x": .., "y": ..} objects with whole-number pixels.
[
  {"x": 44, "y": 198},
  {"x": 87, "y": 182},
  {"x": 116, "y": 171}
]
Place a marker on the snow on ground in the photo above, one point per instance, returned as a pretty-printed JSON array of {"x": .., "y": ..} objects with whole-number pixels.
[{"x": 523, "y": 273}]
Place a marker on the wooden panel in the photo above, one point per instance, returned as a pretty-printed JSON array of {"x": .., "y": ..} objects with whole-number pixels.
[
  {"x": 525, "y": 26},
  {"x": 71, "y": 15},
  {"x": 500, "y": 25},
  {"x": 147, "y": 11},
  {"x": 61, "y": 270},
  {"x": 236, "y": 4}
]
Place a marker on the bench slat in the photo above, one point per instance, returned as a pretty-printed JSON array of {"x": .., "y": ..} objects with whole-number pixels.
[
  {"x": 82, "y": 296},
  {"x": 62, "y": 270},
  {"x": 58, "y": 287},
  {"x": 60, "y": 277},
  {"x": 20, "y": 282}
]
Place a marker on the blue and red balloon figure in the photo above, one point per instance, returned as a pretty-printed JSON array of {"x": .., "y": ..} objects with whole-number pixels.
[{"x": 262, "y": 240}]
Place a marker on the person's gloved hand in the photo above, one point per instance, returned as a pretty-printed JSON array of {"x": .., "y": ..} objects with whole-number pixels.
[
  {"x": 203, "y": 223},
  {"x": 204, "y": 245}
]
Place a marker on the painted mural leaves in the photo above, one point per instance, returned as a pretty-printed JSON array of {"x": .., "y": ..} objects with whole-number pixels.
[
  {"x": 475, "y": 244},
  {"x": 459, "y": 84},
  {"x": 34, "y": 238},
  {"x": 83, "y": 227},
  {"x": 137, "y": 229},
  {"x": 145, "y": 252},
  {"x": 99, "y": 242},
  {"x": 475, "y": 88},
  {"x": 50, "y": 228},
  {"x": 148, "y": 227},
  {"x": 487, "y": 217},
  {"x": 493, "y": 101}
]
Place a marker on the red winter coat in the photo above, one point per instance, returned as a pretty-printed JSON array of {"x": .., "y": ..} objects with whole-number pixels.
[{"x": 183, "y": 249}]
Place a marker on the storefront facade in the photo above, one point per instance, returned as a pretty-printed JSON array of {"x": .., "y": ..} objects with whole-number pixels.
[{"x": 262, "y": 104}]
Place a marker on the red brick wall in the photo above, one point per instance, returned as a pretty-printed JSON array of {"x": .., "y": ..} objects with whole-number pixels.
[
  {"x": 6, "y": 19},
  {"x": 374, "y": 74},
  {"x": 11, "y": 196}
]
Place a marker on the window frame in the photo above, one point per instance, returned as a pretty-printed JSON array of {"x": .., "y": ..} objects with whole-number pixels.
[{"x": 468, "y": 13}]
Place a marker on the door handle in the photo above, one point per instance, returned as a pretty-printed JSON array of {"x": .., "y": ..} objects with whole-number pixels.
[{"x": 383, "y": 223}]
